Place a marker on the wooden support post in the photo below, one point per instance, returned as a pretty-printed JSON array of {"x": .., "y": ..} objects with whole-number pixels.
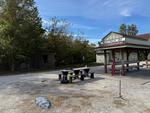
[
  {"x": 105, "y": 63},
  {"x": 127, "y": 53},
  {"x": 146, "y": 55},
  {"x": 138, "y": 56},
  {"x": 113, "y": 63},
  {"x": 113, "y": 55},
  {"x": 122, "y": 61}
]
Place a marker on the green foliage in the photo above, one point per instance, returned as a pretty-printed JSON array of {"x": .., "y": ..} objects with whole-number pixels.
[
  {"x": 22, "y": 36},
  {"x": 20, "y": 30},
  {"x": 123, "y": 29},
  {"x": 143, "y": 55},
  {"x": 128, "y": 29},
  {"x": 68, "y": 50}
]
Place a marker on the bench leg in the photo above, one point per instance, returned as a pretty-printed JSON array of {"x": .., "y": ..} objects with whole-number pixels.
[
  {"x": 82, "y": 78},
  {"x": 92, "y": 75},
  {"x": 70, "y": 79},
  {"x": 59, "y": 77}
]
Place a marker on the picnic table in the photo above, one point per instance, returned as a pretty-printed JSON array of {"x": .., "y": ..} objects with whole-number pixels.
[
  {"x": 65, "y": 72},
  {"x": 67, "y": 76},
  {"x": 84, "y": 69}
]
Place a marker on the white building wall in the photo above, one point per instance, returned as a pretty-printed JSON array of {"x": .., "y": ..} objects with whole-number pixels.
[
  {"x": 100, "y": 58},
  {"x": 119, "y": 58},
  {"x": 137, "y": 41},
  {"x": 132, "y": 57}
]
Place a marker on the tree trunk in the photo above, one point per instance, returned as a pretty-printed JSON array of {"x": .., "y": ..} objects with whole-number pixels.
[
  {"x": 12, "y": 67},
  {"x": 12, "y": 64}
]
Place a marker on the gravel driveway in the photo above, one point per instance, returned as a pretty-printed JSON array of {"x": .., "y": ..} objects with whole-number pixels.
[{"x": 99, "y": 95}]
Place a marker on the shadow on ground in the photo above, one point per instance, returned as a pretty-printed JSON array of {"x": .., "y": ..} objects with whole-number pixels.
[
  {"x": 143, "y": 74},
  {"x": 88, "y": 81}
]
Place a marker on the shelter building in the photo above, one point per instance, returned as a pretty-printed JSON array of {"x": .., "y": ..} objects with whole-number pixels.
[{"x": 121, "y": 49}]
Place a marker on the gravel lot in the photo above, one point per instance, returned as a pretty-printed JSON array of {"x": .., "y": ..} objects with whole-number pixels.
[{"x": 99, "y": 95}]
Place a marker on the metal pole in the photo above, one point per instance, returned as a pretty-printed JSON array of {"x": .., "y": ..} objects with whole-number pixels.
[{"x": 120, "y": 88}]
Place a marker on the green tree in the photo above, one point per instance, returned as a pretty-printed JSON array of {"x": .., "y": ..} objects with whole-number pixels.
[
  {"x": 128, "y": 29},
  {"x": 21, "y": 30},
  {"x": 123, "y": 29},
  {"x": 134, "y": 29},
  {"x": 58, "y": 39},
  {"x": 68, "y": 49},
  {"x": 82, "y": 48}
]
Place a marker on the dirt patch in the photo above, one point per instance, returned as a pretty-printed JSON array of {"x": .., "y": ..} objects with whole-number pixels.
[
  {"x": 57, "y": 101},
  {"x": 28, "y": 105},
  {"x": 75, "y": 102},
  {"x": 147, "y": 110},
  {"x": 119, "y": 103},
  {"x": 78, "y": 95},
  {"x": 84, "y": 99},
  {"x": 76, "y": 108}
]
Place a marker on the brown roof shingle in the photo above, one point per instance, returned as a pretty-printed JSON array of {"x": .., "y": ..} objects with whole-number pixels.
[{"x": 144, "y": 35}]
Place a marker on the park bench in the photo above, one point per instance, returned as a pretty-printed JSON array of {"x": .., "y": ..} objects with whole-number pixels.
[{"x": 131, "y": 66}]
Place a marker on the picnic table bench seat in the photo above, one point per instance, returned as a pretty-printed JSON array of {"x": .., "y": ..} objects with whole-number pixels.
[{"x": 126, "y": 68}]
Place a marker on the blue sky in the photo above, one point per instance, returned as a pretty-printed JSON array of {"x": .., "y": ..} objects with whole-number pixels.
[{"x": 95, "y": 18}]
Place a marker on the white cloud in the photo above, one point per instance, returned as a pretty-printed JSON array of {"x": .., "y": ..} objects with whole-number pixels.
[
  {"x": 125, "y": 12},
  {"x": 94, "y": 9},
  {"x": 110, "y": 8},
  {"x": 107, "y": 2}
]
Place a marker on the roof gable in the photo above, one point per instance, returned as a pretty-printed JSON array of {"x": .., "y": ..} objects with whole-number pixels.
[
  {"x": 116, "y": 40},
  {"x": 112, "y": 37},
  {"x": 119, "y": 35}
]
